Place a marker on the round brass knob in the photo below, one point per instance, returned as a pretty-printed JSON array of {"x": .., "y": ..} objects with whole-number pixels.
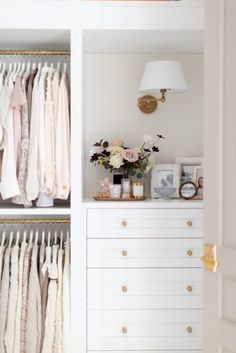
[
  {"x": 189, "y": 223},
  {"x": 124, "y": 289},
  {"x": 189, "y": 289},
  {"x": 124, "y": 252},
  {"x": 189, "y": 329},
  {"x": 189, "y": 253},
  {"x": 124, "y": 330},
  {"x": 124, "y": 223}
]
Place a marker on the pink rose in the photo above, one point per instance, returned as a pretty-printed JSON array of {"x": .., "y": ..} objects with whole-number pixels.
[{"x": 131, "y": 155}]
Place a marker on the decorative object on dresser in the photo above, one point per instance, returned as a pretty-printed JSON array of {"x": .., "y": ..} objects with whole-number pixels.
[
  {"x": 192, "y": 171},
  {"x": 165, "y": 181},
  {"x": 188, "y": 190},
  {"x": 160, "y": 77},
  {"x": 118, "y": 158}
]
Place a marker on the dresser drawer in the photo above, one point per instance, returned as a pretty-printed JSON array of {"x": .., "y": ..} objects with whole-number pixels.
[
  {"x": 144, "y": 223},
  {"x": 153, "y": 351},
  {"x": 120, "y": 253},
  {"x": 145, "y": 289},
  {"x": 144, "y": 329}
]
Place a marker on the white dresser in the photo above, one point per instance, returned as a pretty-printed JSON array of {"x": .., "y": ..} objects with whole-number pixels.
[{"x": 144, "y": 278}]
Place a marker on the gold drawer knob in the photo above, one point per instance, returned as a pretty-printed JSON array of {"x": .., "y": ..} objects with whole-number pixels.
[
  {"x": 189, "y": 329},
  {"x": 124, "y": 252},
  {"x": 124, "y": 330},
  {"x": 124, "y": 223},
  {"x": 189, "y": 224},
  {"x": 189, "y": 289},
  {"x": 124, "y": 289},
  {"x": 189, "y": 253}
]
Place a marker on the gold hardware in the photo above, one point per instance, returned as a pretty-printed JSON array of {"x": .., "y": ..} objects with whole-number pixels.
[
  {"x": 209, "y": 259},
  {"x": 189, "y": 253},
  {"x": 124, "y": 223},
  {"x": 148, "y": 104},
  {"x": 124, "y": 330},
  {"x": 189, "y": 224},
  {"x": 124, "y": 289},
  {"x": 124, "y": 252},
  {"x": 189, "y": 329},
  {"x": 35, "y": 52},
  {"x": 34, "y": 220},
  {"x": 189, "y": 289}
]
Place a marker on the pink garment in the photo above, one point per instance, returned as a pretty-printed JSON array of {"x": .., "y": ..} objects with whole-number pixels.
[{"x": 18, "y": 100}]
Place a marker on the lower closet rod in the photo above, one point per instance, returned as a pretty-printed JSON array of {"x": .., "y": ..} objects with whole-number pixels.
[{"x": 34, "y": 220}]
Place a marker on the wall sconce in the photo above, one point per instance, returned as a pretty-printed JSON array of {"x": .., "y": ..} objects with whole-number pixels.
[{"x": 160, "y": 77}]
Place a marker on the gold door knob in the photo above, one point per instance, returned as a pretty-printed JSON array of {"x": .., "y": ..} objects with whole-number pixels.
[
  {"x": 189, "y": 289},
  {"x": 124, "y": 252},
  {"x": 189, "y": 224},
  {"x": 124, "y": 289},
  {"x": 210, "y": 259},
  {"x": 189, "y": 329},
  {"x": 124, "y": 330},
  {"x": 189, "y": 253},
  {"x": 124, "y": 223}
]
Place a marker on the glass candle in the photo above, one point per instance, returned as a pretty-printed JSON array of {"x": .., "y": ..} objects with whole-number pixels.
[{"x": 138, "y": 190}]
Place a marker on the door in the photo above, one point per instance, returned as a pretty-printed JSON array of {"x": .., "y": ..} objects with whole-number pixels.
[{"x": 220, "y": 175}]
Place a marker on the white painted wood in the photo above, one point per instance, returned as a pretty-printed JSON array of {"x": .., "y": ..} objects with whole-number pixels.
[
  {"x": 153, "y": 351},
  {"x": 146, "y": 329},
  {"x": 220, "y": 168},
  {"x": 145, "y": 289},
  {"x": 127, "y": 253},
  {"x": 144, "y": 223},
  {"x": 148, "y": 203}
]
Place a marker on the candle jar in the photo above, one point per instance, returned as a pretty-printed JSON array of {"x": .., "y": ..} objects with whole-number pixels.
[
  {"x": 138, "y": 190},
  {"x": 115, "y": 191},
  {"x": 126, "y": 188}
]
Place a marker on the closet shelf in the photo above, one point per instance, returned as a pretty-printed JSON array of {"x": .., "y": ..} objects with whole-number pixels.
[{"x": 34, "y": 211}]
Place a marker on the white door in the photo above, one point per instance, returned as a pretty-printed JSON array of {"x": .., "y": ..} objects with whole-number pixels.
[{"x": 220, "y": 175}]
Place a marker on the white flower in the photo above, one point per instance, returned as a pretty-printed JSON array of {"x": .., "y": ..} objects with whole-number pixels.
[
  {"x": 147, "y": 139},
  {"x": 116, "y": 161},
  {"x": 151, "y": 163},
  {"x": 95, "y": 150}
]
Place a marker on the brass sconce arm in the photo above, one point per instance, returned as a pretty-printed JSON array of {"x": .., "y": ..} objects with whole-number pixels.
[{"x": 148, "y": 104}]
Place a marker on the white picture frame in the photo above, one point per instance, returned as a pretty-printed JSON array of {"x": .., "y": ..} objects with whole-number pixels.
[
  {"x": 168, "y": 174},
  {"x": 188, "y": 167}
]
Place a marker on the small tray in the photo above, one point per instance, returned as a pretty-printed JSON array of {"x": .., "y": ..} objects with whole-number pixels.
[{"x": 120, "y": 199}]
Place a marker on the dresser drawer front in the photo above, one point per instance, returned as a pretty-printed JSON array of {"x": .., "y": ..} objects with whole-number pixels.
[
  {"x": 145, "y": 289},
  {"x": 144, "y": 329},
  {"x": 144, "y": 223},
  {"x": 153, "y": 351},
  {"x": 120, "y": 253}
]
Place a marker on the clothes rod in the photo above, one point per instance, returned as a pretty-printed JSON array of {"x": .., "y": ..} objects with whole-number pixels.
[
  {"x": 34, "y": 221},
  {"x": 35, "y": 52}
]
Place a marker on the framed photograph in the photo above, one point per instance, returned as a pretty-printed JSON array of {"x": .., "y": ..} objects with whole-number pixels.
[
  {"x": 188, "y": 168},
  {"x": 199, "y": 181},
  {"x": 165, "y": 179}
]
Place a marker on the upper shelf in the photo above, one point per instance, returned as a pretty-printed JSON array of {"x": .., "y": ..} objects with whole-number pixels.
[{"x": 10, "y": 210}]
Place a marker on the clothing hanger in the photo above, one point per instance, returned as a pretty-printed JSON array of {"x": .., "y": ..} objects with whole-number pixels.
[
  {"x": 10, "y": 239},
  {"x": 43, "y": 237},
  {"x": 36, "y": 237},
  {"x": 61, "y": 240},
  {"x": 16, "y": 71},
  {"x": 22, "y": 70},
  {"x": 17, "y": 237},
  {"x": 49, "y": 238},
  {"x": 3, "y": 238},
  {"x": 31, "y": 236},
  {"x": 58, "y": 66},
  {"x": 10, "y": 67},
  {"x": 24, "y": 236},
  {"x": 55, "y": 237},
  {"x": 64, "y": 68}
]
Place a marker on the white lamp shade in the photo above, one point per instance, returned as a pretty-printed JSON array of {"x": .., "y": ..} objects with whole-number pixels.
[{"x": 163, "y": 75}]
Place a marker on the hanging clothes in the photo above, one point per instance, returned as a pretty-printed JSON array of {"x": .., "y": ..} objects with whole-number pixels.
[
  {"x": 2, "y": 251},
  {"x": 63, "y": 141},
  {"x": 51, "y": 305},
  {"x": 33, "y": 322},
  {"x": 24, "y": 150},
  {"x": 66, "y": 299}
]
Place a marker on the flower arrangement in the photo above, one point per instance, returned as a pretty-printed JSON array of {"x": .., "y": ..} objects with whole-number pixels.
[{"x": 117, "y": 157}]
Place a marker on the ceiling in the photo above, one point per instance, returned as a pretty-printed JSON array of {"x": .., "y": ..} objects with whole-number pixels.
[
  {"x": 34, "y": 39},
  {"x": 182, "y": 41}
]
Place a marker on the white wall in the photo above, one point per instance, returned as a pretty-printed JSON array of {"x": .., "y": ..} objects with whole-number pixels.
[{"x": 112, "y": 82}]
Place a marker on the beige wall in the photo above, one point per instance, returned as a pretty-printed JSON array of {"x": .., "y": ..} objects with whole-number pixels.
[{"x": 112, "y": 82}]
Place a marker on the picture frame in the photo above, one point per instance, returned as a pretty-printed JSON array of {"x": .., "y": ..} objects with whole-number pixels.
[
  {"x": 166, "y": 176},
  {"x": 188, "y": 168},
  {"x": 199, "y": 181}
]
